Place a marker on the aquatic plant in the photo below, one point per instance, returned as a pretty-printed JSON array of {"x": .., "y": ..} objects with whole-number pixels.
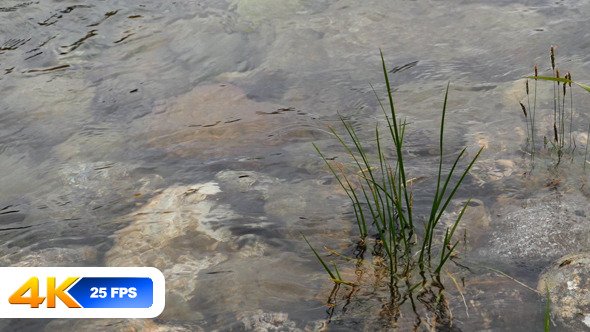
[
  {"x": 381, "y": 193},
  {"x": 560, "y": 89}
]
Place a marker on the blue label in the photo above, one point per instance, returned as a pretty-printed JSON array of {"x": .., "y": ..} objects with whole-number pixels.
[{"x": 113, "y": 292}]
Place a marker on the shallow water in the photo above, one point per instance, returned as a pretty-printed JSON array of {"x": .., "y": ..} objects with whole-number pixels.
[{"x": 113, "y": 114}]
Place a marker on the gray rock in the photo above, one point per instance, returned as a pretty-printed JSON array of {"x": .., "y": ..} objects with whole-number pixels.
[
  {"x": 539, "y": 229},
  {"x": 568, "y": 282}
]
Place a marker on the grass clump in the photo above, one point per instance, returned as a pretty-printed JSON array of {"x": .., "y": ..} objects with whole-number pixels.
[{"x": 381, "y": 193}]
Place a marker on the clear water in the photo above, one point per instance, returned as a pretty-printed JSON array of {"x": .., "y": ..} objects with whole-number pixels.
[{"x": 112, "y": 110}]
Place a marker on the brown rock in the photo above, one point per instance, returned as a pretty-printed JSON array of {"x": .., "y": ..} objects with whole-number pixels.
[{"x": 213, "y": 120}]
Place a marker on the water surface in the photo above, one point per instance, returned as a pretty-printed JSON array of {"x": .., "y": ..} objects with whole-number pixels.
[{"x": 178, "y": 135}]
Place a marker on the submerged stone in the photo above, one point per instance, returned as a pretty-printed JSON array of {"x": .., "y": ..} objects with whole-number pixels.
[
  {"x": 159, "y": 226},
  {"x": 72, "y": 256},
  {"x": 259, "y": 320},
  {"x": 568, "y": 282},
  {"x": 474, "y": 223},
  {"x": 127, "y": 325},
  {"x": 489, "y": 301},
  {"x": 253, "y": 13},
  {"x": 539, "y": 229},
  {"x": 183, "y": 231},
  {"x": 211, "y": 121},
  {"x": 283, "y": 199}
]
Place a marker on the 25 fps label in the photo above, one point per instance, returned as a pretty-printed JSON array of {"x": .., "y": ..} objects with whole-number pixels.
[{"x": 102, "y": 292}]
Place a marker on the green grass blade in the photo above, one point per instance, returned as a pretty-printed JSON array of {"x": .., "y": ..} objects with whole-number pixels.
[
  {"x": 398, "y": 142},
  {"x": 467, "y": 169},
  {"x": 355, "y": 260},
  {"x": 359, "y": 147},
  {"x": 415, "y": 286},
  {"x": 389, "y": 212},
  {"x": 351, "y": 195},
  {"x": 384, "y": 240},
  {"x": 586, "y": 151},
  {"x": 338, "y": 281},
  {"x": 344, "y": 143},
  {"x": 548, "y": 310},
  {"x": 444, "y": 258},
  {"x": 320, "y": 259},
  {"x": 437, "y": 199},
  {"x": 436, "y": 210},
  {"x": 373, "y": 209},
  {"x": 332, "y": 170},
  {"x": 451, "y": 195},
  {"x": 370, "y": 180},
  {"x": 449, "y": 237},
  {"x": 563, "y": 80},
  {"x": 429, "y": 227},
  {"x": 391, "y": 105},
  {"x": 360, "y": 215},
  {"x": 337, "y": 272}
]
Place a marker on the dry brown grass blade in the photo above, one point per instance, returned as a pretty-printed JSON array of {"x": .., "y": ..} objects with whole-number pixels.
[
  {"x": 460, "y": 292},
  {"x": 511, "y": 278}
]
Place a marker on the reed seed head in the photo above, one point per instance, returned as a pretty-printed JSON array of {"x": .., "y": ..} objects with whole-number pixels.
[
  {"x": 555, "y": 132},
  {"x": 536, "y": 71},
  {"x": 523, "y": 109},
  {"x": 569, "y": 77},
  {"x": 557, "y": 74},
  {"x": 527, "y": 87},
  {"x": 553, "y": 57}
]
